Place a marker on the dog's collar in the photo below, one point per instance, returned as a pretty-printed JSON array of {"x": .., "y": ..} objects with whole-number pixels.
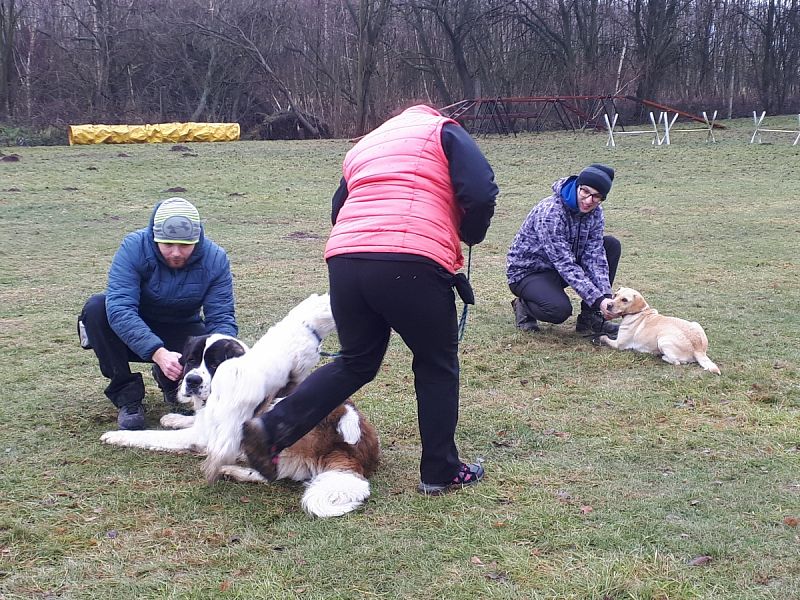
[{"x": 314, "y": 333}]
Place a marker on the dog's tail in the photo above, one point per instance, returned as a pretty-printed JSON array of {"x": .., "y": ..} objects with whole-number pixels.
[
  {"x": 705, "y": 362},
  {"x": 334, "y": 493}
]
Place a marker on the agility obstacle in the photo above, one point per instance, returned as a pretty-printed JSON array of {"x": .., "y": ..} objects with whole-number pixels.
[
  {"x": 759, "y": 129},
  {"x": 611, "y": 125},
  {"x": 507, "y": 115},
  {"x": 667, "y": 123},
  {"x": 152, "y": 133}
]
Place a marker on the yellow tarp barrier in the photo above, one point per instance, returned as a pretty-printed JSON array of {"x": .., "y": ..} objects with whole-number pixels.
[{"x": 148, "y": 134}]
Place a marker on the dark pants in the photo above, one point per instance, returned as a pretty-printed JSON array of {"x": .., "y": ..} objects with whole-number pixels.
[
  {"x": 126, "y": 388},
  {"x": 369, "y": 298},
  {"x": 543, "y": 293}
]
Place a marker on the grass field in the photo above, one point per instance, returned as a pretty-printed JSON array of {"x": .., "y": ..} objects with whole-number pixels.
[{"x": 610, "y": 475}]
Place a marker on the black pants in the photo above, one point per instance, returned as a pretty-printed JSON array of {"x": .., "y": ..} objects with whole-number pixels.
[
  {"x": 543, "y": 293},
  {"x": 126, "y": 388},
  {"x": 369, "y": 298}
]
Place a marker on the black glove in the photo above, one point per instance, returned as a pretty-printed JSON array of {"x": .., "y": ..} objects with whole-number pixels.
[{"x": 464, "y": 289}]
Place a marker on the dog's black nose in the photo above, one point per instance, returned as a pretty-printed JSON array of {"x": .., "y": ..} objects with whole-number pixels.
[{"x": 193, "y": 381}]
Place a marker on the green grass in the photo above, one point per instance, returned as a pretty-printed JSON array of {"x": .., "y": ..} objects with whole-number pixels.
[{"x": 607, "y": 472}]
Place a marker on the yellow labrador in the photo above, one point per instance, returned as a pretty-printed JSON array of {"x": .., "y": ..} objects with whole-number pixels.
[{"x": 644, "y": 330}]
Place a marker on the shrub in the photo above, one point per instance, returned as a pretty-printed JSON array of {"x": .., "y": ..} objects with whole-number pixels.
[{"x": 13, "y": 135}]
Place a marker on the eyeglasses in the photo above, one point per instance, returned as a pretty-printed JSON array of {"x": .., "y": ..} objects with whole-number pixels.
[{"x": 597, "y": 197}]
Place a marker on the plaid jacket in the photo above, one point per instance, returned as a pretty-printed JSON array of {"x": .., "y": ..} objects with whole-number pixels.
[{"x": 554, "y": 238}]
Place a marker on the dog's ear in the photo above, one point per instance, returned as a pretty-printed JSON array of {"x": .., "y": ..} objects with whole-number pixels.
[
  {"x": 190, "y": 343},
  {"x": 233, "y": 349},
  {"x": 194, "y": 345},
  {"x": 637, "y": 300}
]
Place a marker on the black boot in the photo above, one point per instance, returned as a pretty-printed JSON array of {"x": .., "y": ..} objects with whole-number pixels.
[
  {"x": 131, "y": 417},
  {"x": 168, "y": 387},
  {"x": 261, "y": 453},
  {"x": 522, "y": 319},
  {"x": 591, "y": 322}
]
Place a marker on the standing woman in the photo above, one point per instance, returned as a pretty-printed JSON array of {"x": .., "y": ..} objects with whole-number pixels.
[{"x": 412, "y": 190}]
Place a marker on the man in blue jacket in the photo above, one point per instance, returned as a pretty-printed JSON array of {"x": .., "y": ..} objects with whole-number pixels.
[{"x": 160, "y": 279}]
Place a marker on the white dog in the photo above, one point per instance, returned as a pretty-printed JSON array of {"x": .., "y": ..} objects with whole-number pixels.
[
  {"x": 643, "y": 329},
  {"x": 188, "y": 433},
  {"x": 229, "y": 384}
]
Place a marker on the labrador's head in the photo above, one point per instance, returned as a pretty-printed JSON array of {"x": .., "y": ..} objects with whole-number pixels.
[{"x": 627, "y": 301}]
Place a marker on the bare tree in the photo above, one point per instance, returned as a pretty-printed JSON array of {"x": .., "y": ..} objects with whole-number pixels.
[
  {"x": 455, "y": 21},
  {"x": 774, "y": 54},
  {"x": 9, "y": 17},
  {"x": 354, "y": 61},
  {"x": 370, "y": 19},
  {"x": 657, "y": 37},
  {"x": 553, "y": 24},
  {"x": 254, "y": 31}
]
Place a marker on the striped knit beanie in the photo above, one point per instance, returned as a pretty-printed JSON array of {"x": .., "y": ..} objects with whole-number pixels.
[{"x": 176, "y": 222}]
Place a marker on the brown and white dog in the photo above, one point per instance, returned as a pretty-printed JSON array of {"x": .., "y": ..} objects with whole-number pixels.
[
  {"x": 644, "y": 330},
  {"x": 229, "y": 384}
]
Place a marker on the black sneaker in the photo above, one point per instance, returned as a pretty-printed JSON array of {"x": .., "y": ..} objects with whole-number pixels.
[
  {"x": 592, "y": 323},
  {"x": 131, "y": 417},
  {"x": 170, "y": 396},
  {"x": 261, "y": 451},
  {"x": 468, "y": 474},
  {"x": 522, "y": 319}
]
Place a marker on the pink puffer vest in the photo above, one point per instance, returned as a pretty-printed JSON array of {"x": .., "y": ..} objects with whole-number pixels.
[{"x": 400, "y": 198}]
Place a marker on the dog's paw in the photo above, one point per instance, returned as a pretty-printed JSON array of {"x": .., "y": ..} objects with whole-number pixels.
[
  {"x": 241, "y": 474},
  {"x": 177, "y": 421},
  {"x": 116, "y": 438}
]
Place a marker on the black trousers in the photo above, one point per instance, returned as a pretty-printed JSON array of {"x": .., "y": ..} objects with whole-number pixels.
[
  {"x": 126, "y": 388},
  {"x": 369, "y": 298},
  {"x": 543, "y": 293}
]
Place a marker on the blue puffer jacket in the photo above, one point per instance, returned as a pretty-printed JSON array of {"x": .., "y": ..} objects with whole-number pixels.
[
  {"x": 142, "y": 288},
  {"x": 555, "y": 237}
]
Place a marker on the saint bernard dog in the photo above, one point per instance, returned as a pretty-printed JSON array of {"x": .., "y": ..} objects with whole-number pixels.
[{"x": 228, "y": 384}]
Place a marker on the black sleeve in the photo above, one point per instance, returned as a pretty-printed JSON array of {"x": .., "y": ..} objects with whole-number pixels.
[
  {"x": 338, "y": 200},
  {"x": 473, "y": 182}
]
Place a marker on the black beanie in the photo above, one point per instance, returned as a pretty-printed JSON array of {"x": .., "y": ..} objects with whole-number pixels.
[{"x": 598, "y": 177}]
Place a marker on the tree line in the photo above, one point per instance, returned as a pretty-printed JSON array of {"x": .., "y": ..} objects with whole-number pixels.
[{"x": 342, "y": 66}]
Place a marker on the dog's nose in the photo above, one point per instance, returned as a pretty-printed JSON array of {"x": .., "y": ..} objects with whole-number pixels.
[{"x": 193, "y": 381}]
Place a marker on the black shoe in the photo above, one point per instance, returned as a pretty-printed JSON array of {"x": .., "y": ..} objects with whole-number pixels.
[
  {"x": 262, "y": 452},
  {"x": 131, "y": 417},
  {"x": 468, "y": 474},
  {"x": 593, "y": 323},
  {"x": 170, "y": 396},
  {"x": 522, "y": 319}
]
